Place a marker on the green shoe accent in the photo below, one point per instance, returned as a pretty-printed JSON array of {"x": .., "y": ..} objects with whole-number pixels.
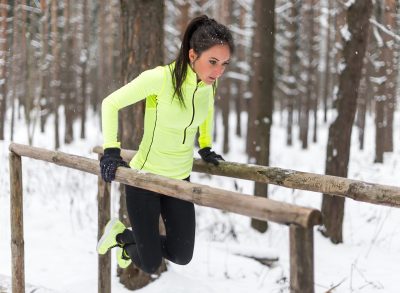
[
  {"x": 108, "y": 240},
  {"x": 123, "y": 259}
]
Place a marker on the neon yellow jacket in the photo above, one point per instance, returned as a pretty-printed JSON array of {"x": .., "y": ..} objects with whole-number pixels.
[{"x": 169, "y": 128}]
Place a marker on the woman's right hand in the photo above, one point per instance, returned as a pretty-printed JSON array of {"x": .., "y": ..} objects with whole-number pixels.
[{"x": 109, "y": 163}]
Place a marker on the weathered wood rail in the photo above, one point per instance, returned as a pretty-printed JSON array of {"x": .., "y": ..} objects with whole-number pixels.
[
  {"x": 300, "y": 219},
  {"x": 358, "y": 190}
]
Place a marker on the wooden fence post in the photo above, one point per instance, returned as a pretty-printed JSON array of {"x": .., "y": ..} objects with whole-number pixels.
[
  {"x": 17, "y": 225},
  {"x": 104, "y": 212},
  {"x": 301, "y": 259}
]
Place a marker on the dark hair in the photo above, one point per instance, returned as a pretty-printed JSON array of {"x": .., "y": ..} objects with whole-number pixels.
[{"x": 201, "y": 34}]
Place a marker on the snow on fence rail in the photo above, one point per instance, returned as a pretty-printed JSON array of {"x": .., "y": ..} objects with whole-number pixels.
[{"x": 300, "y": 219}]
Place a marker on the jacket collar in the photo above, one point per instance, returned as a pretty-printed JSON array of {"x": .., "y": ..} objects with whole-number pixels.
[{"x": 191, "y": 77}]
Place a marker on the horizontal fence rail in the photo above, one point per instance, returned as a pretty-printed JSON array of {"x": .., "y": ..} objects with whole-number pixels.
[
  {"x": 358, "y": 190},
  {"x": 255, "y": 207}
]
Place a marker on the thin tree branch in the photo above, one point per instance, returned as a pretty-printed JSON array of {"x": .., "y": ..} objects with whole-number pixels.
[{"x": 384, "y": 29}]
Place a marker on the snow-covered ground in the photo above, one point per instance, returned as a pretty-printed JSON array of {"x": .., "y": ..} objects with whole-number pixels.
[{"x": 60, "y": 225}]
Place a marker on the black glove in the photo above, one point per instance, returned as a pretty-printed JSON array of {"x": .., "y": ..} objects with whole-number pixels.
[
  {"x": 109, "y": 163},
  {"x": 210, "y": 156}
]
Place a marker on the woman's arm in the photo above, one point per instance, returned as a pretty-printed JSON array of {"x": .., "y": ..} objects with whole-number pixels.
[{"x": 148, "y": 83}]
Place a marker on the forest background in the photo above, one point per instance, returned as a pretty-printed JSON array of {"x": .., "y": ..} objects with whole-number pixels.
[{"x": 311, "y": 63}]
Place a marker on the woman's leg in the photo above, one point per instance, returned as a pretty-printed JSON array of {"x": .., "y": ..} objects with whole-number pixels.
[
  {"x": 179, "y": 220},
  {"x": 144, "y": 211}
]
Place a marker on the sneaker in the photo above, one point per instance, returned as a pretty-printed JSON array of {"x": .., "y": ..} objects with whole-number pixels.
[
  {"x": 123, "y": 259},
  {"x": 108, "y": 240}
]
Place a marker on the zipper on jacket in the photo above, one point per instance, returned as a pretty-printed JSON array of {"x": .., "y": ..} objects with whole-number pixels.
[
  {"x": 184, "y": 132},
  {"x": 152, "y": 138}
]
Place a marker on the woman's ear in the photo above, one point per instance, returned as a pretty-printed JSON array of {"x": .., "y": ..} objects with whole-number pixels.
[{"x": 192, "y": 55}]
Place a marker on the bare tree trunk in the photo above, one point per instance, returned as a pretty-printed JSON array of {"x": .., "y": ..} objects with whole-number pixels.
[
  {"x": 110, "y": 47},
  {"x": 25, "y": 98},
  {"x": 241, "y": 89},
  {"x": 93, "y": 62},
  {"x": 55, "y": 83},
  {"x": 16, "y": 60},
  {"x": 3, "y": 66},
  {"x": 101, "y": 52},
  {"x": 397, "y": 56},
  {"x": 44, "y": 64},
  {"x": 310, "y": 68},
  {"x": 362, "y": 105},
  {"x": 184, "y": 18},
  {"x": 327, "y": 74},
  {"x": 30, "y": 100},
  {"x": 338, "y": 149},
  {"x": 252, "y": 102},
  {"x": 225, "y": 91},
  {"x": 315, "y": 45},
  {"x": 293, "y": 62},
  {"x": 139, "y": 51},
  {"x": 116, "y": 11},
  {"x": 391, "y": 72},
  {"x": 263, "y": 81},
  {"x": 84, "y": 65},
  {"x": 340, "y": 23},
  {"x": 68, "y": 83},
  {"x": 380, "y": 93}
]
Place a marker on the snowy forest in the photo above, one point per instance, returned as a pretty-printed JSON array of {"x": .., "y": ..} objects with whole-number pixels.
[{"x": 312, "y": 86}]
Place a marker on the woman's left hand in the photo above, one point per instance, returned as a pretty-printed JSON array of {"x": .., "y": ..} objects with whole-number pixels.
[{"x": 210, "y": 156}]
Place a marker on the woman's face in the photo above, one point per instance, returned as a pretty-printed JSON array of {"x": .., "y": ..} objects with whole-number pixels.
[{"x": 211, "y": 64}]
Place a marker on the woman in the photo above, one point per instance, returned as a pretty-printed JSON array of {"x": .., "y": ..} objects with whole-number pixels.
[{"x": 179, "y": 100}]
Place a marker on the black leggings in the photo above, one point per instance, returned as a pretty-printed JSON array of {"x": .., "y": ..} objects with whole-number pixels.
[{"x": 145, "y": 246}]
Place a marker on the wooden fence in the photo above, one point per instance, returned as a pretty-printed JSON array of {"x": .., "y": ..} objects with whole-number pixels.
[
  {"x": 300, "y": 220},
  {"x": 355, "y": 189}
]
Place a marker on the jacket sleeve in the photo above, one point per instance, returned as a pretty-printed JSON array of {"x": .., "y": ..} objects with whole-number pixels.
[
  {"x": 150, "y": 82},
  {"x": 206, "y": 128}
]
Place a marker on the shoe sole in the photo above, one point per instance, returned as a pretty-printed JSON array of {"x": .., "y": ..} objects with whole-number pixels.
[{"x": 107, "y": 229}]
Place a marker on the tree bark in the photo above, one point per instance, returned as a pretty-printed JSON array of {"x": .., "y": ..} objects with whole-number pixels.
[
  {"x": 3, "y": 66},
  {"x": 44, "y": 64},
  {"x": 241, "y": 89},
  {"x": 141, "y": 49},
  {"x": 326, "y": 90},
  {"x": 55, "y": 82},
  {"x": 339, "y": 9},
  {"x": 31, "y": 99},
  {"x": 338, "y": 149},
  {"x": 293, "y": 63},
  {"x": 316, "y": 76},
  {"x": 225, "y": 86},
  {"x": 16, "y": 60},
  {"x": 263, "y": 81},
  {"x": 310, "y": 69},
  {"x": 84, "y": 65},
  {"x": 389, "y": 17},
  {"x": 68, "y": 82},
  {"x": 362, "y": 105},
  {"x": 380, "y": 93}
]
